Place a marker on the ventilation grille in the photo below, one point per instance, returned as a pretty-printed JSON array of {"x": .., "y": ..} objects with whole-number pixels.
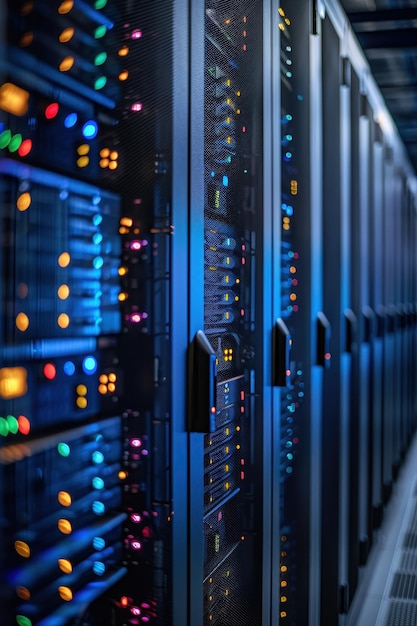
[
  {"x": 402, "y": 605},
  {"x": 401, "y": 614}
]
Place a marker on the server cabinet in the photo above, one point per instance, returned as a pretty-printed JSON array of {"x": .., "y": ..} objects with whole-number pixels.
[
  {"x": 93, "y": 177},
  {"x": 230, "y": 566},
  {"x": 302, "y": 312},
  {"x": 336, "y": 298}
]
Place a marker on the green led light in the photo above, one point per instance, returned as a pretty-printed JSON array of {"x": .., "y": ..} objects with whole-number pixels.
[
  {"x": 100, "y": 59},
  {"x": 64, "y": 449},
  {"x": 21, "y": 620},
  {"x": 100, "y": 4},
  {"x": 13, "y": 424},
  {"x": 5, "y": 138},
  {"x": 100, "y": 83},
  {"x": 15, "y": 142},
  {"x": 100, "y": 32},
  {"x": 4, "y": 428}
]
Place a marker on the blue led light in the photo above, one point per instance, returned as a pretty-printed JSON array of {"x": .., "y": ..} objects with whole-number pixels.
[
  {"x": 97, "y": 219},
  {"x": 69, "y": 368},
  {"x": 89, "y": 365},
  {"x": 99, "y": 543},
  {"x": 90, "y": 129},
  {"x": 212, "y": 174},
  {"x": 97, "y": 238},
  {"x": 97, "y": 457},
  {"x": 99, "y": 568},
  {"x": 98, "y": 262},
  {"x": 98, "y": 507},
  {"x": 63, "y": 195},
  {"x": 225, "y": 181},
  {"x": 97, "y": 482},
  {"x": 289, "y": 210},
  {"x": 70, "y": 120}
]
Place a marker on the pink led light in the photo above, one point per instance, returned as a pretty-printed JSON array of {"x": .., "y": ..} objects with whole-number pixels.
[
  {"x": 135, "y": 610},
  {"x": 135, "y": 245},
  {"x": 136, "y": 107},
  {"x": 135, "y": 443},
  {"x": 136, "y": 34},
  {"x": 135, "y": 318},
  {"x": 135, "y": 544},
  {"x": 136, "y": 518}
]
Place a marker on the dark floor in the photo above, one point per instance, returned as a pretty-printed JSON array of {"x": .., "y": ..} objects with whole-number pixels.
[{"x": 387, "y": 594}]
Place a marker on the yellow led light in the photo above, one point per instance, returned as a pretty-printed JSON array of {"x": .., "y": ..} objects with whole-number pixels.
[
  {"x": 111, "y": 387},
  {"x": 64, "y": 526},
  {"x": 27, "y": 8},
  {"x": 22, "y": 322},
  {"x": 23, "y": 593},
  {"x": 104, "y": 378},
  {"x": 65, "y": 7},
  {"x": 123, "y": 52},
  {"x": 26, "y": 39},
  {"x": 14, "y": 99},
  {"x": 63, "y": 320},
  {"x": 66, "y": 35},
  {"x": 65, "y": 566},
  {"x": 66, "y": 64},
  {"x": 113, "y": 165},
  {"x": 63, "y": 292},
  {"x": 81, "y": 390},
  {"x": 102, "y": 389},
  {"x": 112, "y": 377},
  {"x": 65, "y": 593},
  {"x": 81, "y": 402},
  {"x": 24, "y": 201},
  {"x": 124, "y": 75},
  {"x": 64, "y": 498},
  {"x": 22, "y": 549},
  {"x": 13, "y": 382},
  {"x": 83, "y": 149},
  {"x": 64, "y": 259}
]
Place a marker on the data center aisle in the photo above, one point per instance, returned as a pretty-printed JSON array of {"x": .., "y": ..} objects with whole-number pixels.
[{"x": 387, "y": 594}]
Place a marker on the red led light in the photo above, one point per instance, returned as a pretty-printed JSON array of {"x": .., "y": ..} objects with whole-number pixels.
[
  {"x": 24, "y": 425},
  {"x": 49, "y": 371},
  {"x": 25, "y": 147},
  {"x": 124, "y": 601},
  {"x": 51, "y": 110},
  {"x": 146, "y": 532}
]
